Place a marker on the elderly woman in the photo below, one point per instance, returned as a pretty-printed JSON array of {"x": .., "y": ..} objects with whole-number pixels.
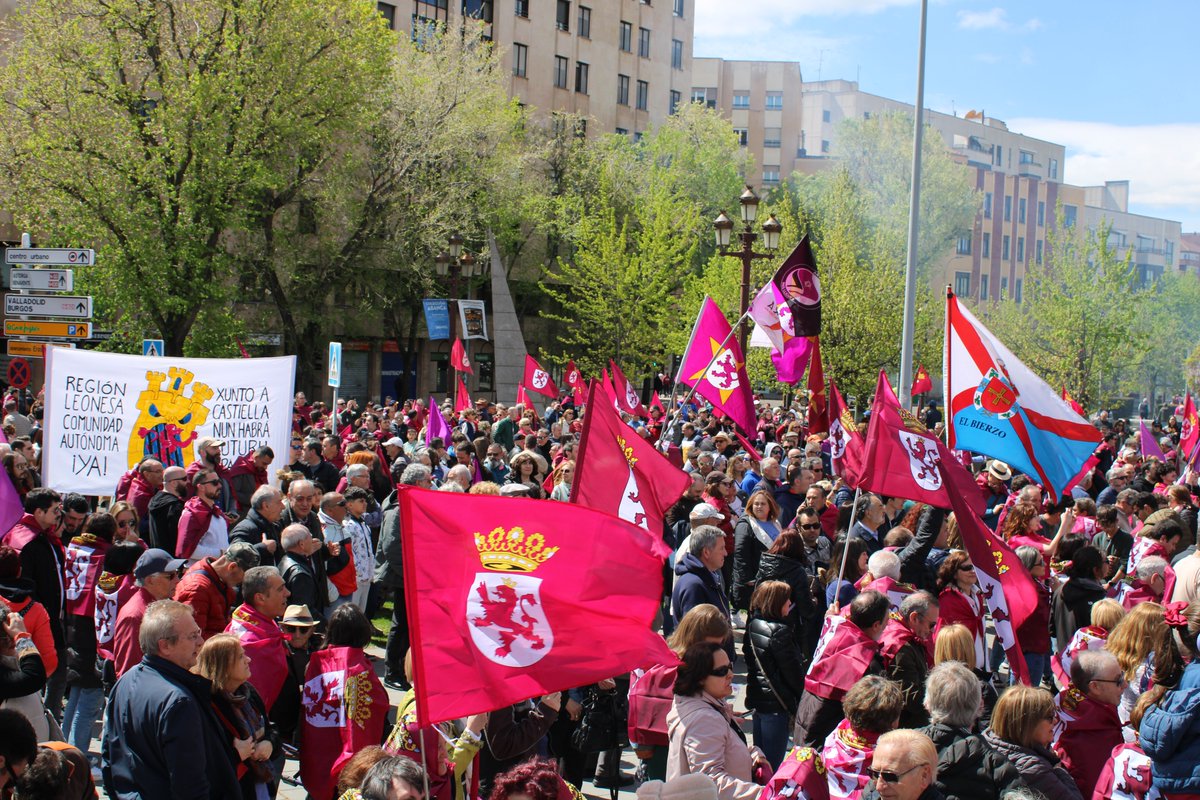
[
  {"x": 703, "y": 735},
  {"x": 1022, "y": 729}
]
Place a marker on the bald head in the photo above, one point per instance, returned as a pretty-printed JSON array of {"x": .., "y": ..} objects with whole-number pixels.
[{"x": 175, "y": 481}]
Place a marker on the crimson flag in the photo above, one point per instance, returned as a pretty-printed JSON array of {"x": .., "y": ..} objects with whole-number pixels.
[
  {"x": 1078, "y": 409},
  {"x": 572, "y": 377},
  {"x": 656, "y": 402},
  {"x": 620, "y": 472},
  {"x": 523, "y": 397},
  {"x": 625, "y": 394},
  {"x": 1189, "y": 431},
  {"x": 508, "y": 601},
  {"x": 577, "y": 395},
  {"x": 818, "y": 413},
  {"x": 462, "y": 400},
  {"x": 842, "y": 657},
  {"x": 845, "y": 442},
  {"x": 922, "y": 383},
  {"x": 1005, "y": 583},
  {"x": 537, "y": 379},
  {"x": 458, "y": 358},
  {"x": 901, "y": 458}
]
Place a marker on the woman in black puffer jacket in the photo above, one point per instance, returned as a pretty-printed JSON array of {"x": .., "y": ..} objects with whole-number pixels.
[
  {"x": 775, "y": 668},
  {"x": 784, "y": 561}
]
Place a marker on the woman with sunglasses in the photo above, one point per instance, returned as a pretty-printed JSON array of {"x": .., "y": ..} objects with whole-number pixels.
[
  {"x": 1022, "y": 728},
  {"x": 704, "y": 736},
  {"x": 959, "y": 600},
  {"x": 126, "y": 518}
]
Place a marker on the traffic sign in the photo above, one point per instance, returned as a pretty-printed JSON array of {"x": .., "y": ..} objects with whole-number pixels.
[
  {"x": 19, "y": 373},
  {"x": 66, "y": 256},
  {"x": 50, "y": 330},
  {"x": 153, "y": 347},
  {"x": 46, "y": 280},
  {"x": 48, "y": 305},
  {"x": 33, "y": 349},
  {"x": 335, "y": 364}
]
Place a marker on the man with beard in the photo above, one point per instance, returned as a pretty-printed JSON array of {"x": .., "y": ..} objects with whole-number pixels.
[{"x": 208, "y": 457}]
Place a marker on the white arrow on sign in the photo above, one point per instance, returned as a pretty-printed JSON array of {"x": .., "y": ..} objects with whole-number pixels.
[
  {"x": 46, "y": 280},
  {"x": 65, "y": 256},
  {"x": 39, "y": 305}
]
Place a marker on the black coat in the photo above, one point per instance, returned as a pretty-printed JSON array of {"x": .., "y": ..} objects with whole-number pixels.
[
  {"x": 914, "y": 569},
  {"x": 775, "y": 666},
  {"x": 747, "y": 552},
  {"x": 300, "y": 577},
  {"x": 1071, "y": 607},
  {"x": 970, "y": 768},
  {"x": 251, "y": 529},
  {"x": 164, "y": 512},
  {"x": 806, "y": 610}
]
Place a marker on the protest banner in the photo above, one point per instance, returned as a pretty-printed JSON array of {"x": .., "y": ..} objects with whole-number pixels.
[{"x": 107, "y": 411}]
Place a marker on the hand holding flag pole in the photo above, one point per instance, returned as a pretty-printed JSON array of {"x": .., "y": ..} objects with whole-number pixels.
[{"x": 845, "y": 550}]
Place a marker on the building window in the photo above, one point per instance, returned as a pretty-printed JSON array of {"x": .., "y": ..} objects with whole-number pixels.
[
  {"x": 987, "y": 205},
  {"x": 676, "y": 98},
  {"x": 771, "y": 176},
  {"x": 1008, "y": 208},
  {"x": 1041, "y": 213},
  {"x": 585, "y": 22},
  {"x": 962, "y": 284},
  {"x": 676, "y": 54},
  {"x": 825, "y": 116},
  {"x": 1052, "y": 172},
  {"x": 520, "y": 59},
  {"x": 424, "y": 31},
  {"x": 637, "y": 136},
  {"x": 643, "y": 95},
  {"x": 1169, "y": 251},
  {"x": 560, "y": 72},
  {"x": 824, "y": 145},
  {"x": 644, "y": 42},
  {"x": 741, "y": 99},
  {"x": 581, "y": 77},
  {"x": 388, "y": 12},
  {"x": 564, "y": 15},
  {"x": 626, "y": 39},
  {"x": 743, "y": 136},
  {"x": 1020, "y": 249},
  {"x": 999, "y": 156},
  {"x": 1005, "y": 247},
  {"x": 774, "y": 101},
  {"x": 1038, "y": 251},
  {"x": 522, "y": 8},
  {"x": 679, "y": 8},
  {"x": 964, "y": 245},
  {"x": 622, "y": 90},
  {"x": 983, "y": 287},
  {"x": 705, "y": 96},
  {"x": 1026, "y": 157},
  {"x": 1021, "y": 211},
  {"x": 1017, "y": 290},
  {"x": 986, "y": 248},
  {"x": 1070, "y": 214},
  {"x": 772, "y": 137}
]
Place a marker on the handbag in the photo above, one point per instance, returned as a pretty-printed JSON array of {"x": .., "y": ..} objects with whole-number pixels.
[{"x": 602, "y": 723}]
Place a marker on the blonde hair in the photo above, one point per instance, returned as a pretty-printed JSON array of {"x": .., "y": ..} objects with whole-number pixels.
[
  {"x": 1134, "y": 636},
  {"x": 1107, "y": 614},
  {"x": 217, "y": 659},
  {"x": 1019, "y": 711},
  {"x": 484, "y": 487},
  {"x": 954, "y": 643},
  {"x": 120, "y": 507},
  {"x": 701, "y": 622},
  {"x": 953, "y": 537}
]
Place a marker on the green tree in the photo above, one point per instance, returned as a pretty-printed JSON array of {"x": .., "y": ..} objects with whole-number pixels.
[
  {"x": 1167, "y": 317},
  {"x": 152, "y": 129}
]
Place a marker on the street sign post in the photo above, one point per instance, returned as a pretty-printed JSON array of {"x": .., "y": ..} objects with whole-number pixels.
[
  {"x": 19, "y": 373},
  {"x": 335, "y": 364},
  {"x": 52, "y": 256},
  {"x": 45, "y": 280},
  {"x": 153, "y": 347},
  {"x": 49, "y": 330},
  {"x": 37, "y": 305},
  {"x": 33, "y": 349}
]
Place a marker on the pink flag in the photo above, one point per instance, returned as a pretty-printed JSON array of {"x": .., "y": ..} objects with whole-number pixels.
[
  {"x": 11, "y": 507},
  {"x": 458, "y": 358},
  {"x": 656, "y": 402},
  {"x": 626, "y": 395},
  {"x": 572, "y": 377},
  {"x": 507, "y": 601},
  {"x": 1189, "y": 427},
  {"x": 713, "y": 363},
  {"x": 462, "y": 400},
  {"x": 537, "y": 379},
  {"x": 437, "y": 426},
  {"x": 773, "y": 315},
  {"x": 1149, "y": 445},
  {"x": 845, "y": 442}
]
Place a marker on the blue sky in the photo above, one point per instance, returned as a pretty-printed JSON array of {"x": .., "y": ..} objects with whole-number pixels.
[{"x": 1114, "y": 82}]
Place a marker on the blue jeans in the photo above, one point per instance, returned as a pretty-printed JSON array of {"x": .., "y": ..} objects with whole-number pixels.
[
  {"x": 84, "y": 707},
  {"x": 1039, "y": 666},
  {"x": 771, "y": 736}
]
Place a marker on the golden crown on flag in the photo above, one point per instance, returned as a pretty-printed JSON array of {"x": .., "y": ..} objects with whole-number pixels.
[{"x": 512, "y": 550}]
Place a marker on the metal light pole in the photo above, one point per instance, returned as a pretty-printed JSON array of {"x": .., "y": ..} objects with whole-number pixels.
[
  {"x": 456, "y": 264},
  {"x": 914, "y": 211},
  {"x": 723, "y": 226}
]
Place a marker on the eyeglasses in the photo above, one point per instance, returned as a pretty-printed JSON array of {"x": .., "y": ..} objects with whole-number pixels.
[
  {"x": 341, "y": 503},
  {"x": 888, "y": 776},
  {"x": 722, "y": 671},
  {"x": 213, "y": 482},
  {"x": 1121, "y": 681},
  {"x": 815, "y": 526},
  {"x": 127, "y": 523}
]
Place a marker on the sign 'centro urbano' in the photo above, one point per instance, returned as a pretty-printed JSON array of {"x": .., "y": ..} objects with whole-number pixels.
[{"x": 64, "y": 256}]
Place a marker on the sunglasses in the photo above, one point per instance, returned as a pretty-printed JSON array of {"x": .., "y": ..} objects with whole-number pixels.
[
  {"x": 209, "y": 483},
  {"x": 341, "y": 503},
  {"x": 722, "y": 671},
  {"x": 888, "y": 776},
  {"x": 816, "y": 526},
  {"x": 967, "y": 568},
  {"x": 128, "y": 523}
]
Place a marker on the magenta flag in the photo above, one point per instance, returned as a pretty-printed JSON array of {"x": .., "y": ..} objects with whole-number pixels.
[
  {"x": 625, "y": 393},
  {"x": 715, "y": 365},
  {"x": 11, "y": 507},
  {"x": 437, "y": 426},
  {"x": 1148, "y": 443}
]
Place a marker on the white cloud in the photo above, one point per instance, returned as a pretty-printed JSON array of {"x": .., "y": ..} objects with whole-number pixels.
[
  {"x": 764, "y": 22},
  {"x": 1034, "y": 24},
  {"x": 992, "y": 19},
  {"x": 1161, "y": 162}
]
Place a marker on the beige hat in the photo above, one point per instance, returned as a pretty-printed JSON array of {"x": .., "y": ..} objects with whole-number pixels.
[
  {"x": 694, "y": 786},
  {"x": 704, "y": 511},
  {"x": 999, "y": 470},
  {"x": 298, "y": 617}
]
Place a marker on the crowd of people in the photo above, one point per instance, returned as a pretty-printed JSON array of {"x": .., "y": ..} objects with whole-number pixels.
[{"x": 208, "y": 623}]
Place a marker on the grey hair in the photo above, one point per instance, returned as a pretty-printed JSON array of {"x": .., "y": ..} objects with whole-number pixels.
[
  {"x": 1127, "y": 495},
  {"x": 1088, "y": 664},
  {"x": 917, "y": 603},
  {"x": 354, "y": 470},
  {"x": 1114, "y": 472},
  {"x": 459, "y": 470},
  {"x": 1150, "y": 566},
  {"x": 158, "y": 623},
  {"x": 263, "y": 494},
  {"x": 293, "y": 535},
  {"x": 257, "y": 581},
  {"x": 884, "y": 564},
  {"x": 297, "y": 486},
  {"x": 415, "y": 473},
  {"x": 953, "y": 695},
  {"x": 1028, "y": 492},
  {"x": 704, "y": 537},
  {"x": 1028, "y": 555},
  {"x": 451, "y": 486},
  {"x": 377, "y": 783}
]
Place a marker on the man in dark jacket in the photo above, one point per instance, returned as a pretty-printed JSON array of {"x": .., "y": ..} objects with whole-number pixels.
[
  {"x": 162, "y": 738},
  {"x": 512, "y": 736},
  {"x": 902, "y": 649},
  {"x": 166, "y": 508},
  {"x": 298, "y": 570},
  {"x": 389, "y": 572},
  {"x": 914, "y": 567},
  {"x": 261, "y": 526},
  {"x": 317, "y": 469},
  {"x": 698, "y": 573}
]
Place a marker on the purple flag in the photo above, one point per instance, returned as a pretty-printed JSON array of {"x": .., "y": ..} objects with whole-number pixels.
[
  {"x": 1149, "y": 444},
  {"x": 11, "y": 508},
  {"x": 801, "y": 289},
  {"x": 436, "y": 427},
  {"x": 790, "y": 361}
]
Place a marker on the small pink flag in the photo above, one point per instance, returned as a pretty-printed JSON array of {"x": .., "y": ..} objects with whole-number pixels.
[
  {"x": 715, "y": 365},
  {"x": 437, "y": 426},
  {"x": 462, "y": 400}
]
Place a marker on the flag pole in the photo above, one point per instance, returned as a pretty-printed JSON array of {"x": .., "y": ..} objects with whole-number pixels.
[
  {"x": 914, "y": 209},
  {"x": 846, "y": 548}
]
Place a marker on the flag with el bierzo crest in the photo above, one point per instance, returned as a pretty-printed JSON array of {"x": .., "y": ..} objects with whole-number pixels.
[
  {"x": 715, "y": 365},
  {"x": 512, "y": 598}
]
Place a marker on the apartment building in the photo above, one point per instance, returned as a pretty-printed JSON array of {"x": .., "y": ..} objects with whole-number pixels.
[
  {"x": 763, "y": 100},
  {"x": 625, "y": 65}
]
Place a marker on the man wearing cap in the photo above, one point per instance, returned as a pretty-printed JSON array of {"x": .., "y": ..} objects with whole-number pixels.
[
  {"x": 208, "y": 457},
  {"x": 299, "y": 570},
  {"x": 298, "y": 625},
  {"x": 994, "y": 481},
  {"x": 156, "y": 573},
  {"x": 393, "y": 448},
  {"x": 208, "y": 586},
  {"x": 166, "y": 508}
]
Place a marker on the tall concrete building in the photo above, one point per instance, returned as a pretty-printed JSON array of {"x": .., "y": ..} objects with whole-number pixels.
[{"x": 625, "y": 65}]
